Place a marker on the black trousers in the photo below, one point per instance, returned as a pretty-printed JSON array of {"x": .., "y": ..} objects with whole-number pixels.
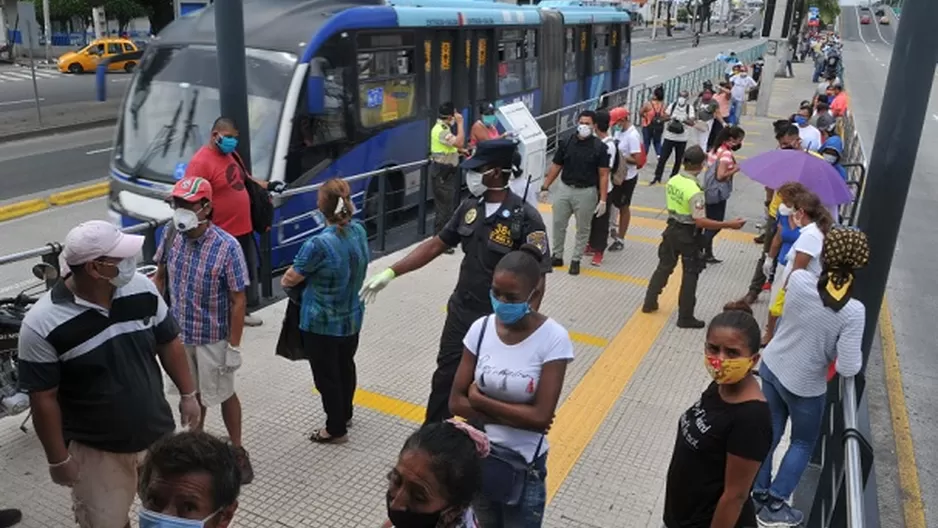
[
  {"x": 717, "y": 212},
  {"x": 444, "y": 193},
  {"x": 249, "y": 248},
  {"x": 599, "y": 231},
  {"x": 332, "y": 360},
  {"x": 677, "y": 241},
  {"x": 459, "y": 317},
  {"x": 666, "y": 147},
  {"x": 758, "y": 277}
]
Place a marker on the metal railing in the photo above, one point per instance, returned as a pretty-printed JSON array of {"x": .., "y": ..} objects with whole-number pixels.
[{"x": 843, "y": 454}]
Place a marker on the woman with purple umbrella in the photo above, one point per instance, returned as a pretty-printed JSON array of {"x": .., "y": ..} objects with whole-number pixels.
[{"x": 778, "y": 167}]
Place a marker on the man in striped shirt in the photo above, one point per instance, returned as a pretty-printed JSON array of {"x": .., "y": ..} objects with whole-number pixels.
[{"x": 206, "y": 275}]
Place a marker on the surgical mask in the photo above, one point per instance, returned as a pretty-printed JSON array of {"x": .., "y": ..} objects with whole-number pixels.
[
  {"x": 510, "y": 313},
  {"x": 474, "y": 183},
  {"x": 617, "y": 129},
  {"x": 185, "y": 220},
  {"x": 126, "y": 269},
  {"x": 784, "y": 210},
  {"x": 489, "y": 120},
  {"x": 830, "y": 158},
  {"x": 801, "y": 120},
  {"x": 227, "y": 144},
  {"x": 150, "y": 519},
  {"x": 681, "y": 101},
  {"x": 411, "y": 519},
  {"x": 584, "y": 131},
  {"x": 727, "y": 371}
]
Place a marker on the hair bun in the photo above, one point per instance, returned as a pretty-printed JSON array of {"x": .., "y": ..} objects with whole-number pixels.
[
  {"x": 737, "y": 306},
  {"x": 532, "y": 250}
]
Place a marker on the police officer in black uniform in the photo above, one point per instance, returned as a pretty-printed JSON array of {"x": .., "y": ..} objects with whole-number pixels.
[{"x": 490, "y": 224}]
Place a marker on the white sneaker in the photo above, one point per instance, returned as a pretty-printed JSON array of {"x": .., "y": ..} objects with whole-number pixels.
[
  {"x": 252, "y": 320},
  {"x": 15, "y": 404}
]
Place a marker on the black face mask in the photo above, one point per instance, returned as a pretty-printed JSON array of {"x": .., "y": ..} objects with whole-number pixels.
[
  {"x": 787, "y": 147},
  {"x": 736, "y": 147},
  {"x": 409, "y": 519}
]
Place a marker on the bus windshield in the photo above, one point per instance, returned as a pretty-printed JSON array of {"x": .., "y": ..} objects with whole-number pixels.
[{"x": 174, "y": 99}]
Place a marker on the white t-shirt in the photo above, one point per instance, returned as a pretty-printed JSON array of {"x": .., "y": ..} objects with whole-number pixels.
[
  {"x": 682, "y": 113},
  {"x": 630, "y": 144},
  {"x": 810, "y": 242},
  {"x": 810, "y": 138},
  {"x": 740, "y": 85},
  {"x": 510, "y": 373}
]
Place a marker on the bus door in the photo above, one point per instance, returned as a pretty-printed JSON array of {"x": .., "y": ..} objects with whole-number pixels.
[{"x": 481, "y": 72}]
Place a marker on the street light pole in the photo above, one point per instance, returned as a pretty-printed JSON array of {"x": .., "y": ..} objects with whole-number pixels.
[
  {"x": 892, "y": 160},
  {"x": 47, "y": 29},
  {"x": 776, "y": 53},
  {"x": 233, "y": 91}
]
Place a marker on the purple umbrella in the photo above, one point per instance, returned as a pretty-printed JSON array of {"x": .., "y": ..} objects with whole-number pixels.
[{"x": 778, "y": 167}]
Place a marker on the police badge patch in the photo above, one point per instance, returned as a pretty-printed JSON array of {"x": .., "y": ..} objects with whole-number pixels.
[
  {"x": 538, "y": 239},
  {"x": 470, "y": 216}
]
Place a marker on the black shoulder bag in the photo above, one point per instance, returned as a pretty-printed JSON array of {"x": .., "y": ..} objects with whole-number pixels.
[{"x": 504, "y": 471}]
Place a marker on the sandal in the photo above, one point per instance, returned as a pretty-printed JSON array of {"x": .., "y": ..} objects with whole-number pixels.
[{"x": 321, "y": 436}]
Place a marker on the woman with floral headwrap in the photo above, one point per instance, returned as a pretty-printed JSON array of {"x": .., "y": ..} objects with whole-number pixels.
[{"x": 823, "y": 323}]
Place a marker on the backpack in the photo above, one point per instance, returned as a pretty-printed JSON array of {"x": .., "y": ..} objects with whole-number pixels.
[
  {"x": 657, "y": 122},
  {"x": 641, "y": 157},
  {"x": 262, "y": 205},
  {"x": 619, "y": 169}
]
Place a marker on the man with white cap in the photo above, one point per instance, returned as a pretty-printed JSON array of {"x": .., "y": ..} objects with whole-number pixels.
[
  {"x": 88, "y": 360},
  {"x": 211, "y": 308}
]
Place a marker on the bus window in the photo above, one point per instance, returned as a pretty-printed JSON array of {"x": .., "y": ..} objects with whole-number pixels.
[
  {"x": 386, "y": 86},
  {"x": 625, "y": 47},
  {"x": 530, "y": 60},
  {"x": 511, "y": 62},
  {"x": 445, "y": 86},
  {"x": 428, "y": 72},
  {"x": 569, "y": 55},
  {"x": 601, "y": 47},
  {"x": 482, "y": 44}
]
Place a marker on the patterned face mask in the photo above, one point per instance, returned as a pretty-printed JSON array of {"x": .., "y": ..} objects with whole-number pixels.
[{"x": 845, "y": 251}]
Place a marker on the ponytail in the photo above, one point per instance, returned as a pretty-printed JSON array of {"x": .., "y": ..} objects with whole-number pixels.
[
  {"x": 812, "y": 206},
  {"x": 335, "y": 202}
]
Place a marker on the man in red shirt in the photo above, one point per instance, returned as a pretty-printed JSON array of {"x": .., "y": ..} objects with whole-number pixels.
[
  {"x": 839, "y": 104},
  {"x": 219, "y": 163}
]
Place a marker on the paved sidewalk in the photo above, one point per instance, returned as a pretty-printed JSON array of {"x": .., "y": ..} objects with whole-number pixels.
[{"x": 611, "y": 442}]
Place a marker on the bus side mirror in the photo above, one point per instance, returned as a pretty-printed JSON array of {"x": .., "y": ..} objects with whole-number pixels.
[{"x": 316, "y": 89}]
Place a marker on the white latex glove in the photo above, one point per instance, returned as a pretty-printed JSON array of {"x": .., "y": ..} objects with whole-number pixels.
[
  {"x": 600, "y": 209},
  {"x": 375, "y": 284},
  {"x": 543, "y": 196},
  {"x": 768, "y": 265}
]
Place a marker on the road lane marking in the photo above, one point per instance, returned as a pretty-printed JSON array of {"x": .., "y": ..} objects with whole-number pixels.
[
  {"x": 679, "y": 68},
  {"x": 98, "y": 151},
  {"x": 913, "y": 508},
  {"x": 646, "y": 60},
  {"x": 26, "y": 207},
  {"x": 650, "y": 77},
  {"x": 21, "y": 101}
]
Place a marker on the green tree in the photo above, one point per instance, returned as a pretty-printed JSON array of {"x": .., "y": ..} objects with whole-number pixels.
[
  {"x": 123, "y": 11},
  {"x": 64, "y": 10},
  {"x": 160, "y": 13},
  {"x": 830, "y": 9}
]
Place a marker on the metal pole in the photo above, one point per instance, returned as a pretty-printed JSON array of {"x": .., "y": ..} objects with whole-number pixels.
[
  {"x": 654, "y": 21},
  {"x": 853, "y": 465},
  {"x": 775, "y": 56},
  {"x": 47, "y": 26},
  {"x": 32, "y": 69},
  {"x": 892, "y": 160}
]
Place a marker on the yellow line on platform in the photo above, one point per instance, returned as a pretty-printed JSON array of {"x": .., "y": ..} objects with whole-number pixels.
[
  {"x": 391, "y": 406},
  {"x": 646, "y": 60},
  {"x": 608, "y": 275},
  {"x": 910, "y": 488},
  {"x": 26, "y": 207},
  {"x": 584, "y": 411}
]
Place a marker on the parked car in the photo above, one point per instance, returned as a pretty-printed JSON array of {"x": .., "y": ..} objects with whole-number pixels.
[
  {"x": 865, "y": 19},
  {"x": 747, "y": 31},
  {"x": 880, "y": 12},
  {"x": 884, "y": 20},
  {"x": 864, "y": 8},
  {"x": 87, "y": 58}
]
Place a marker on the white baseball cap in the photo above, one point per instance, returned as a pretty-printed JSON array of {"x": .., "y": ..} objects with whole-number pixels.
[{"x": 95, "y": 239}]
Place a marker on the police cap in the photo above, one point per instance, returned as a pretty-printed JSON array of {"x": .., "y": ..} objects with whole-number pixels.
[{"x": 494, "y": 152}]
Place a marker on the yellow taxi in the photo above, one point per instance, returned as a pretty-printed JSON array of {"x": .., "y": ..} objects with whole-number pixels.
[{"x": 86, "y": 59}]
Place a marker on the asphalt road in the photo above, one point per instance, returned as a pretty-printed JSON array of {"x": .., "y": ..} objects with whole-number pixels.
[
  {"x": 912, "y": 289},
  {"x": 16, "y": 87}
]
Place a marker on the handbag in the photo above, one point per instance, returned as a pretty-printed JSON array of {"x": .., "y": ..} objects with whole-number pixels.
[
  {"x": 262, "y": 205},
  {"x": 504, "y": 471},
  {"x": 290, "y": 341}
]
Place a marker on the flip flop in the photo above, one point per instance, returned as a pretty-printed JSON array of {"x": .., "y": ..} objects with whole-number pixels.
[{"x": 321, "y": 436}]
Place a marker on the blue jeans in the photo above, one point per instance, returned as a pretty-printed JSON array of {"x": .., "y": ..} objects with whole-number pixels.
[
  {"x": 735, "y": 108},
  {"x": 529, "y": 513},
  {"x": 806, "y": 416},
  {"x": 650, "y": 138}
]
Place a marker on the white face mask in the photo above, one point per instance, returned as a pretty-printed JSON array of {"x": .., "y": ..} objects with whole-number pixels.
[
  {"x": 186, "y": 220},
  {"x": 784, "y": 210},
  {"x": 584, "y": 131},
  {"x": 681, "y": 101},
  {"x": 830, "y": 158},
  {"x": 476, "y": 186},
  {"x": 126, "y": 269}
]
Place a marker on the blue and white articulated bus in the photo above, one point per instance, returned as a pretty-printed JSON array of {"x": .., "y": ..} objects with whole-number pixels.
[{"x": 337, "y": 88}]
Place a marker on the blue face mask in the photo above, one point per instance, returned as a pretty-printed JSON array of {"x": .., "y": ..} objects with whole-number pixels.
[
  {"x": 149, "y": 519},
  {"x": 801, "y": 120},
  {"x": 489, "y": 120},
  {"x": 227, "y": 144},
  {"x": 510, "y": 313}
]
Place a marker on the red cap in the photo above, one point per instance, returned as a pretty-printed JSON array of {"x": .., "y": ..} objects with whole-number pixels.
[
  {"x": 192, "y": 189},
  {"x": 618, "y": 114}
]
